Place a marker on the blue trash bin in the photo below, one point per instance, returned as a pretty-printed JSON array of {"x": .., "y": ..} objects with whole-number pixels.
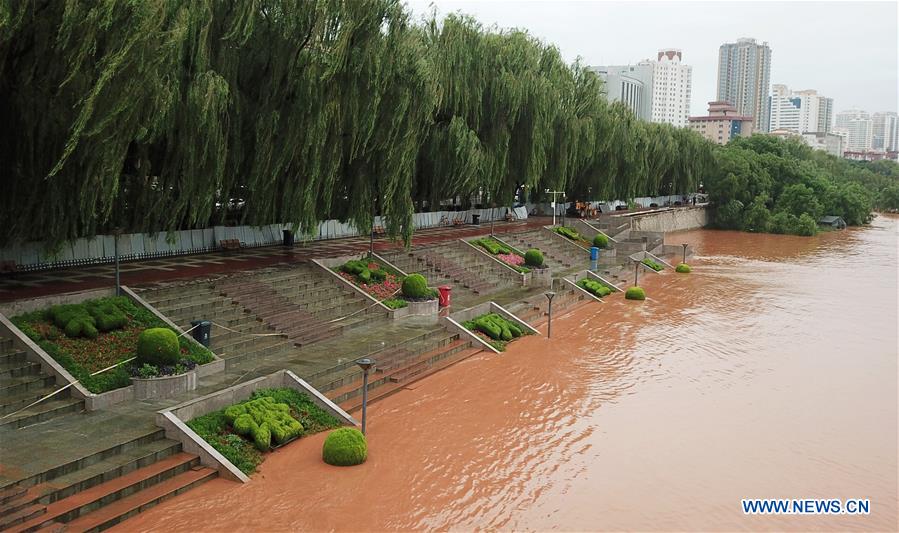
[{"x": 594, "y": 253}]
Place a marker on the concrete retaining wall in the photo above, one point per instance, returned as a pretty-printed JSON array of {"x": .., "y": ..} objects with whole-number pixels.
[
  {"x": 672, "y": 220},
  {"x": 173, "y": 420}
]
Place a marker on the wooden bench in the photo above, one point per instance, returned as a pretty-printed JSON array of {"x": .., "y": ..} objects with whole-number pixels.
[
  {"x": 8, "y": 267},
  {"x": 230, "y": 244}
]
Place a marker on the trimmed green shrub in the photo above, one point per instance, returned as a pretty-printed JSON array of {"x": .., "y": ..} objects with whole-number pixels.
[
  {"x": 683, "y": 268},
  {"x": 345, "y": 447},
  {"x": 378, "y": 275},
  {"x": 107, "y": 315},
  {"x": 415, "y": 286},
  {"x": 569, "y": 232},
  {"x": 533, "y": 258},
  {"x": 262, "y": 438},
  {"x": 365, "y": 276},
  {"x": 395, "y": 303},
  {"x": 652, "y": 264},
  {"x": 496, "y": 327},
  {"x": 635, "y": 293},
  {"x": 158, "y": 346},
  {"x": 594, "y": 287},
  {"x": 600, "y": 241},
  {"x": 492, "y": 246},
  {"x": 245, "y": 425}
]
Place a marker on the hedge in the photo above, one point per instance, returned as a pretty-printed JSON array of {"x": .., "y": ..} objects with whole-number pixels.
[
  {"x": 416, "y": 286},
  {"x": 683, "y": 268},
  {"x": 635, "y": 293},
  {"x": 652, "y": 264},
  {"x": 345, "y": 447},
  {"x": 600, "y": 241},
  {"x": 158, "y": 347},
  {"x": 533, "y": 258},
  {"x": 594, "y": 287}
]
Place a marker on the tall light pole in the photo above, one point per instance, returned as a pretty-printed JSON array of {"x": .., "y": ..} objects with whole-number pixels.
[
  {"x": 636, "y": 272},
  {"x": 118, "y": 280},
  {"x": 365, "y": 364},
  {"x": 685, "y": 252},
  {"x": 549, "y": 323},
  {"x": 554, "y": 193}
]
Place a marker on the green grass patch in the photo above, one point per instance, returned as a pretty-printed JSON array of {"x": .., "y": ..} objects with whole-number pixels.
[
  {"x": 241, "y": 447},
  {"x": 81, "y": 355}
]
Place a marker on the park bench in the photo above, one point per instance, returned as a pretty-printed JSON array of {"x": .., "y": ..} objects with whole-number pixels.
[
  {"x": 230, "y": 244},
  {"x": 379, "y": 230},
  {"x": 458, "y": 221}
]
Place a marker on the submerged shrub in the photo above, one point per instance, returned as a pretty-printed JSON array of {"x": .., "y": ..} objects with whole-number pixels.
[
  {"x": 635, "y": 293},
  {"x": 533, "y": 258},
  {"x": 415, "y": 286},
  {"x": 652, "y": 264},
  {"x": 683, "y": 268},
  {"x": 345, "y": 447},
  {"x": 158, "y": 347},
  {"x": 600, "y": 241},
  {"x": 594, "y": 287}
]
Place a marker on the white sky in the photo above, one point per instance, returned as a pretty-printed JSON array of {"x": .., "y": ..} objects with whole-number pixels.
[{"x": 845, "y": 50}]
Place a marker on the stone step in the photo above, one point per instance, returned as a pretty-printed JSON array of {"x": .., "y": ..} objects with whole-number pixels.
[
  {"x": 45, "y": 410},
  {"x": 17, "y": 400},
  {"x": 80, "y": 504},
  {"x": 6, "y": 344},
  {"x": 19, "y": 368},
  {"x": 25, "y": 514},
  {"x": 115, "y": 513},
  {"x": 385, "y": 390},
  {"x": 15, "y": 385},
  {"x": 9, "y": 355},
  {"x": 105, "y": 470}
]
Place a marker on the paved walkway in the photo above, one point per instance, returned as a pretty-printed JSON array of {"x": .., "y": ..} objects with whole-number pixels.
[{"x": 142, "y": 272}]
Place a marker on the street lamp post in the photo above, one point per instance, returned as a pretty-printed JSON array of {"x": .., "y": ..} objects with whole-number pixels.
[
  {"x": 685, "y": 252},
  {"x": 118, "y": 281},
  {"x": 554, "y": 193},
  {"x": 365, "y": 364},
  {"x": 549, "y": 324},
  {"x": 636, "y": 272}
]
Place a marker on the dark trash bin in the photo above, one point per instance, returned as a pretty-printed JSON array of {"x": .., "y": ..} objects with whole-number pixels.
[
  {"x": 476, "y": 220},
  {"x": 202, "y": 330},
  {"x": 288, "y": 237}
]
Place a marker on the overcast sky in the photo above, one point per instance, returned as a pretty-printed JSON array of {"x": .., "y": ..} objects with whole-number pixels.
[{"x": 845, "y": 50}]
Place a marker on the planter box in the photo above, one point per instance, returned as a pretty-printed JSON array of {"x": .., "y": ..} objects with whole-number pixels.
[
  {"x": 428, "y": 307},
  {"x": 165, "y": 386},
  {"x": 539, "y": 277}
]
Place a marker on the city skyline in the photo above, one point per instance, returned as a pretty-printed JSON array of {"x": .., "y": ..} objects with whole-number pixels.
[{"x": 803, "y": 56}]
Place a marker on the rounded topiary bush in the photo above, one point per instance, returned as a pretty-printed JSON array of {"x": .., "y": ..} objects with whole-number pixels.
[
  {"x": 158, "y": 346},
  {"x": 601, "y": 241},
  {"x": 345, "y": 447},
  {"x": 533, "y": 258},
  {"x": 683, "y": 268},
  {"x": 415, "y": 286},
  {"x": 635, "y": 293}
]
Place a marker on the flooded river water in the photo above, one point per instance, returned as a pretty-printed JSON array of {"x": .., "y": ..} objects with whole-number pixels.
[{"x": 769, "y": 372}]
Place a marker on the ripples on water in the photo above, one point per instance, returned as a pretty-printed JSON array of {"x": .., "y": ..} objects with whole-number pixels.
[{"x": 770, "y": 371}]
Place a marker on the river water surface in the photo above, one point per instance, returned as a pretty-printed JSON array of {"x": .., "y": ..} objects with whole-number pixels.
[{"x": 769, "y": 372}]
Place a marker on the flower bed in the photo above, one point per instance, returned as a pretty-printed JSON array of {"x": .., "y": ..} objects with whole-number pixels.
[
  {"x": 376, "y": 279},
  {"x": 573, "y": 235},
  {"x": 90, "y": 350},
  {"x": 244, "y": 431},
  {"x": 652, "y": 264},
  {"x": 503, "y": 253},
  {"x": 495, "y": 330}
]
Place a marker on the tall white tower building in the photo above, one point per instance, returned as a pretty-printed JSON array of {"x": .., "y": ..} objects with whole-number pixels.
[
  {"x": 671, "y": 88},
  {"x": 744, "y": 73},
  {"x": 858, "y": 129},
  {"x": 800, "y": 111},
  {"x": 886, "y": 131}
]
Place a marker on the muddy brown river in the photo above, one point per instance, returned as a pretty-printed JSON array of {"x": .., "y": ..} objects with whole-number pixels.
[{"x": 769, "y": 372}]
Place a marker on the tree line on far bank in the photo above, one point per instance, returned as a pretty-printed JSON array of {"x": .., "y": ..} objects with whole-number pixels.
[
  {"x": 172, "y": 114},
  {"x": 770, "y": 185}
]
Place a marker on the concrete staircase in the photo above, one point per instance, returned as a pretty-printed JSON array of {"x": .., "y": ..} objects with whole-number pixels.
[
  {"x": 470, "y": 274},
  {"x": 559, "y": 255},
  {"x": 101, "y": 488},
  {"x": 21, "y": 384},
  {"x": 534, "y": 310},
  {"x": 395, "y": 367}
]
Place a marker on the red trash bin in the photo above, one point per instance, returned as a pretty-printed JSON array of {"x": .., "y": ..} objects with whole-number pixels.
[{"x": 444, "y": 292}]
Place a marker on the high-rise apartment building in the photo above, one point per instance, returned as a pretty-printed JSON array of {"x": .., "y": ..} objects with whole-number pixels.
[
  {"x": 744, "y": 73},
  {"x": 630, "y": 84},
  {"x": 857, "y": 128},
  {"x": 885, "y": 134},
  {"x": 656, "y": 91},
  {"x": 671, "y": 88},
  {"x": 799, "y": 111}
]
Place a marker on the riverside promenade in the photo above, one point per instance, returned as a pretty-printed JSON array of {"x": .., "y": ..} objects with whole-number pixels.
[{"x": 27, "y": 285}]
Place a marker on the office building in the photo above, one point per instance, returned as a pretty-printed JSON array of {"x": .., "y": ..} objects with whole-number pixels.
[{"x": 744, "y": 72}]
